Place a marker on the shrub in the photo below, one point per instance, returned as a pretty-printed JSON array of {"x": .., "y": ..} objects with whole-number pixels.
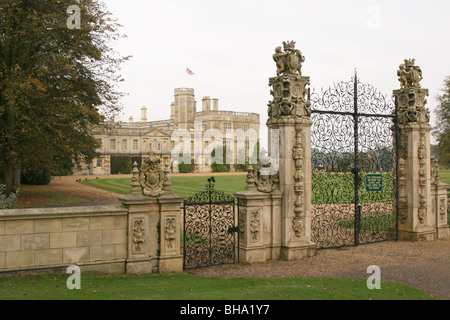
[
  {"x": 224, "y": 154},
  {"x": 7, "y": 202},
  {"x": 121, "y": 164},
  {"x": 36, "y": 176},
  {"x": 184, "y": 168}
]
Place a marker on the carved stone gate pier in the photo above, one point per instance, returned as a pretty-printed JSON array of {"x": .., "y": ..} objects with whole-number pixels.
[
  {"x": 275, "y": 212},
  {"x": 282, "y": 201},
  {"x": 391, "y": 161}
]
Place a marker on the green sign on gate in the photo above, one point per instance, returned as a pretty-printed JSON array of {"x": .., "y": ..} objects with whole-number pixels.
[{"x": 374, "y": 182}]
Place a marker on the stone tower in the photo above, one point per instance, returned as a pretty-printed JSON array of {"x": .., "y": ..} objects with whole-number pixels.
[{"x": 184, "y": 108}]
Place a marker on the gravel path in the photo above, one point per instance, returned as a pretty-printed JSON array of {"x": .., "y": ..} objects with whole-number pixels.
[{"x": 423, "y": 265}]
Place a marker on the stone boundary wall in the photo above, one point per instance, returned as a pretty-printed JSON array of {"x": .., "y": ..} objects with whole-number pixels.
[{"x": 51, "y": 239}]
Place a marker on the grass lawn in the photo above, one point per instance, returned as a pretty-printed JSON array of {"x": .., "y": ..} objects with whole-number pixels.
[
  {"x": 445, "y": 176},
  {"x": 333, "y": 188},
  {"x": 182, "y": 186},
  {"x": 188, "y": 287},
  {"x": 339, "y": 188}
]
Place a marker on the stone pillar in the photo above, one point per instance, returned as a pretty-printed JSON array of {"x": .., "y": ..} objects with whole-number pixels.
[
  {"x": 439, "y": 201},
  {"x": 259, "y": 217},
  {"x": 154, "y": 220},
  {"x": 289, "y": 113},
  {"x": 250, "y": 216},
  {"x": 143, "y": 217},
  {"x": 416, "y": 220}
]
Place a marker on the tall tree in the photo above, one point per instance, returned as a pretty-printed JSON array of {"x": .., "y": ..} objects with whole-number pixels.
[
  {"x": 442, "y": 129},
  {"x": 56, "y": 82}
]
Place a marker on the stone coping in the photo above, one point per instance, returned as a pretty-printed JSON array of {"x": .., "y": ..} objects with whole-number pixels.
[
  {"x": 56, "y": 268},
  {"x": 62, "y": 212}
]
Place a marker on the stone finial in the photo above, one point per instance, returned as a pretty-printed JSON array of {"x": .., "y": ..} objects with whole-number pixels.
[
  {"x": 409, "y": 74},
  {"x": 411, "y": 97},
  {"x": 290, "y": 61},
  {"x": 167, "y": 183},
  {"x": 289, "y": 88},
  {"x": 250, "y": 178},
  {"x": 135, "y": 185}
]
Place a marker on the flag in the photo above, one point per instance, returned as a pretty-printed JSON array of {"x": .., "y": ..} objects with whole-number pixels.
[{"x": 189, "y": 71}]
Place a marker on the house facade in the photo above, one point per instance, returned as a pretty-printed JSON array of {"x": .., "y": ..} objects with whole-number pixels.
[{"x": 138, "y": 138}]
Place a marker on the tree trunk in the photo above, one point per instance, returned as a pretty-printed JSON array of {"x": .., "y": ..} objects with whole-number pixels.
[{"x": 9, "y": 177}]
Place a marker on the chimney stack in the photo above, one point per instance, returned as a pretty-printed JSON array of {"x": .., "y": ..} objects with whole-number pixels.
[
  {"x": 130, "y": 120},
  {"x": 143, "y": 114},
  {"x": 215, "y": 104},
  {"x": 206, "y": 104}
]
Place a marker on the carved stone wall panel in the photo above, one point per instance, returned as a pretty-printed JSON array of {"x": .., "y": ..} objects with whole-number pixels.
[
  {"x": 255, "y": 225},
  {"x": 242, "y": 222},
  {"x": 138, "y": 245},
  {"x": 443, "y": 208},
  {"x": 170, "y": 232}
]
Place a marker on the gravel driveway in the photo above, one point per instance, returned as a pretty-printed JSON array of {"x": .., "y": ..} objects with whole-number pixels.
[{"x": 423, "y": 265}]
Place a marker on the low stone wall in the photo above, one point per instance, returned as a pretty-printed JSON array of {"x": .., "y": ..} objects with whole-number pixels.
[{"x": 49, "y": 240}]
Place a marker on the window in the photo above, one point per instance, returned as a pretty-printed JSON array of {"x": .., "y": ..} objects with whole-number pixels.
[
  {"x": 246, "y": 127},
  {"x": 227, "y": 126},
  {"x": 135, "y": 144},
  {"x": 112, "y": 144},
  {"x": 99, "y": 163},
  {"x": 124, "y": 145},
  {"x": 159, "y": 146}
]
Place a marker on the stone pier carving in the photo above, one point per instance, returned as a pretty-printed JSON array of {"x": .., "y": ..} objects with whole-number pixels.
[
  {"x": 170, "y": 231},
  {"x": 151, "y": 176},
  {"x": 289, "y": 112},
  {"x": 254, "y": 225},
  {"x": 138, "y": 236},
  {"x": 418, "y": 182},
  {"x": 153, "y": 220}
]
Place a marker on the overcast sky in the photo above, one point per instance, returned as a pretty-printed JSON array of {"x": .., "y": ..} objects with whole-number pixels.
[{"x": 229, "y": 46}]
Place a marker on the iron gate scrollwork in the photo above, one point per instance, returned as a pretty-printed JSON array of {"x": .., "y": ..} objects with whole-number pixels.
[
  {"x": 209, "y": 228},
  {"x": 353, "y": 161}
]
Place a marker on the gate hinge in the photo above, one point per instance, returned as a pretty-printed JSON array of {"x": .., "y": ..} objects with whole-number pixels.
[
  {"x": 233, "y": 230},
  {"x": 356, "y": 170}
]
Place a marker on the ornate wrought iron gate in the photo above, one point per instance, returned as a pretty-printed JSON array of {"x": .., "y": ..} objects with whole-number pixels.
[
  {"x": 353, "y": 163},
  {"x": 209, "y": 228}
]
